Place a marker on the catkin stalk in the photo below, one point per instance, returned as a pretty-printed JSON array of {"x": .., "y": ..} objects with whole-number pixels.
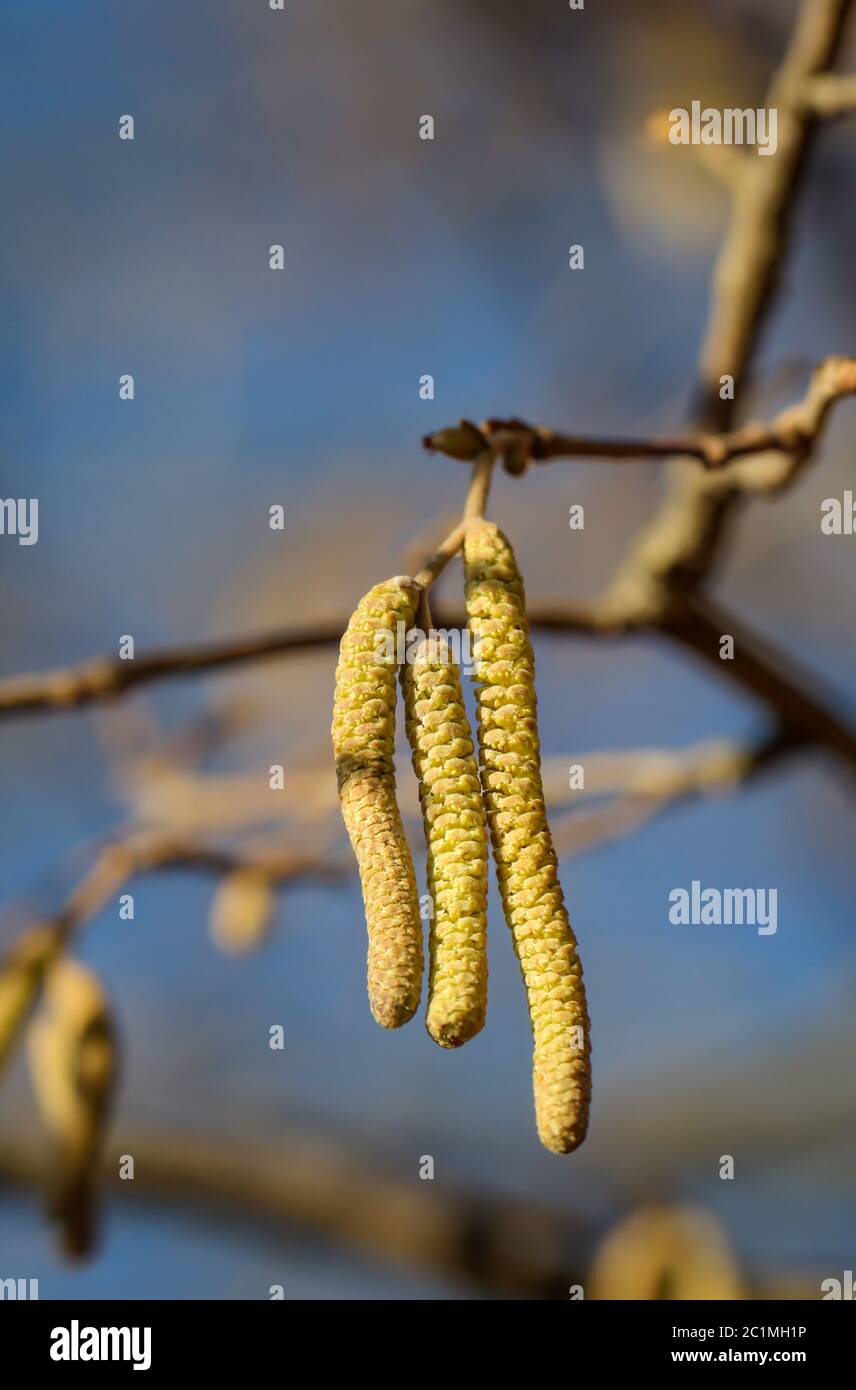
[
  {"x": 363, "y": 742},
  {"x": 527, "y": 871},
  {"x": 456, "y": 836}
]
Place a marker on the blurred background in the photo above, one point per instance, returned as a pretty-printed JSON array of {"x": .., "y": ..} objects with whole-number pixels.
[{"x": 406, "y": 257}]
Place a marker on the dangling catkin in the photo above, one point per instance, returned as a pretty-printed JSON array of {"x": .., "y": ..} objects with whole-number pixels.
[
  {"x": 73, "y": 1063},
  {"x": 526, "y": 865},
  {"x": 456, "y": 835},
  {"x": 22, "y": 972},
  {"x": 363, "y": 741}
]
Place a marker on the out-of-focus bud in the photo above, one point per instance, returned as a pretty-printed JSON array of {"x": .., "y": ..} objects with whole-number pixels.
[
  {"x": 73, "y": 1063},
  {"x": 463, "y": 441},
  {"x": 242, "y": 911},
  {"x": 516, "y": 460},
  {"x": 656, "y": 128},
  {"x": 665, "y": 1252}
]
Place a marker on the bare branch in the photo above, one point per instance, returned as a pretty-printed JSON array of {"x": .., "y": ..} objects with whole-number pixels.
[
  {"x": 142, "y": 851},
  {"x": 830, "y": 95},
  {"x": 502, "y": 1245},
  {"x": 650, "y": 782},
  {"x": 748, "y": 266},
  {"x": 104, "y": 679},
  {"x": 700, "y": 624},
  {"x": 794, "y": 432}
]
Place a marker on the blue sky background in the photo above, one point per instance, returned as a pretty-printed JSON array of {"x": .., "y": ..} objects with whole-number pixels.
[{"x": 405, "y": 257}]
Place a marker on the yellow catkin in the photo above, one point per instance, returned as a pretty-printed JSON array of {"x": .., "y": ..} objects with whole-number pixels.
[
  {"x": 22, "y": 972},
  {"x": 363, "y": 742},
  {"x": 527, "y": 871},
  {"x": 73, "y": 1064},
  {"x": 456, "y": 835}
]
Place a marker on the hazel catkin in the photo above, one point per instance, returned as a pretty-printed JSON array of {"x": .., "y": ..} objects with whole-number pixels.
[
  {"x": 363, "y": 742},
  {"x": 456, "y": 837},
  {"x": 22, "y": 972},
  {"x": 73, "y": 1063},
  {"x": 526, "y": 865}
]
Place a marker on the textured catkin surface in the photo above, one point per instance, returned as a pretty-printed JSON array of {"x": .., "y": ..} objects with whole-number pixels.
[
  {"x": 363, "y": 742},
  {"x": 526, "y": 864},
  {"x": 456, "y": 834}
]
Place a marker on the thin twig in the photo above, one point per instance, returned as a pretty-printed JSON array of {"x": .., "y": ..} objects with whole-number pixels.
[
  {"x": 476, "y": 504},
  {"x": 106, "y": 678},
  {"x": 648, "y": 784},
  {"x": 794, "y": 432},
  {"x": 829, "y": 95},
  {"x": 137, "y": 852},
  {"x": 474, "y": 507}
]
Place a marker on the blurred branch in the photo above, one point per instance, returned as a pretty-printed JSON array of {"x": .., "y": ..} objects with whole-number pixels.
[
  {"x": 804, "y": 717},
  {"x": 691, "y": 621},
  {"x": 648, "y": 783},
  {"x": 501, "y": 1246},
  {"x": 104, "y": 679},
  {"x": 712, "y": 767},
  {"x": 830, "y": 95},
  {"x": 497, "y": 1246},
  {"x": 748, "y": 266},
  {"x": 679, "y": 548},
  {"x": 145, "y": 851},
  {"x": 28, "y": 963}
]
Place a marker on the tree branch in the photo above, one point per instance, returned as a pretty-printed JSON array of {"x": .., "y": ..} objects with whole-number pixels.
[
  {"x": 794, "y": 432},
  {"x": 699, "y": 624},
  {"x": 748, "y": 265},
  {"x": 502, "y": 1246},
  {"x": 104, "y": 679},
  {"x": 830, "y": 95},
  {"x": 649, "y": 782}
]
